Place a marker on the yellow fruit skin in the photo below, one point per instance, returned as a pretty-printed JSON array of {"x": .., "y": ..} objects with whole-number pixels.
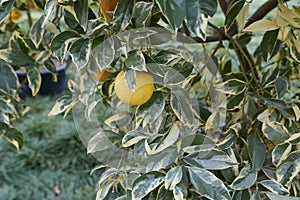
[
  {"x": 108, "y": 6},
  {"x": 143, "y": 89},
  {"x": 102, "y": 75}
]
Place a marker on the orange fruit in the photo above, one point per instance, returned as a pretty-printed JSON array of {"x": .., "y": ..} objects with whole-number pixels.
[
  {"x": 108, "y": 6},
  {"x": 32, "y": 6},
  {"x": 144, "y": 88},
  {"x": 14, "y": 15},
  {"x": 101, "y": 75}
]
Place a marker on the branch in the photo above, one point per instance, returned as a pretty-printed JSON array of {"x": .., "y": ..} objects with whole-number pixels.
[{"x": 262, "y": 11}]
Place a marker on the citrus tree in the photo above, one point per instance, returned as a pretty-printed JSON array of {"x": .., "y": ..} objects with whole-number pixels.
[{"x": 179, "y": 99}]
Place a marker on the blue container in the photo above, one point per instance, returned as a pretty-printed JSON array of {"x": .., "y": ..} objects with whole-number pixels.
[{"x": 48, "y": 86}]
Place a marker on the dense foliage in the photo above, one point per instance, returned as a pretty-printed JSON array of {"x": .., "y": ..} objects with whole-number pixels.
[
  {"x": 223, "y": 121},
  {"x": 45, "y": 168}
]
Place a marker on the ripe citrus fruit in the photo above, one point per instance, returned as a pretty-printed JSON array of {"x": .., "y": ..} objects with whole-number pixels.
[
  {"x": 108, "y": 6},
  {"x": 101, "y": 75},
  {"x": 32, "y": 6},
  {"x": 14, "y": 15},
  {"x": 144, "y": 88}
]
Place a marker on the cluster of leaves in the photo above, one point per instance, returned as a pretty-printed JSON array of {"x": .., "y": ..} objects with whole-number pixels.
[
  {"x": 11, "y": 107},
  {"x": 188, "y": 155},
  {"x": 235, "y": 139},
  {"x": 25, "y": 35},
  {"x": 52, "y": 163}
]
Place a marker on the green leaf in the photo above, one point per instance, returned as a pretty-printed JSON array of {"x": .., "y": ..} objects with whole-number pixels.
[
  {"x": 232, "y": 86},
  {"x": 133, "y": 137},
  {"x": 37, "y": 32},
  {"x": 255, "y": 195},
  {"x": 296, "y": 110},
  {"x": 81, "y": 9},
  {"x": 161, "y": 160},
  {"x": 108, "y": 174},
  {"x": 242, "y": 39},
  {"x": 122, "y": 15},
  {"x": 130, "y": 79},
  {"x": 181, "y": 105},
  {"x": 268, "y": 44},
  {"x": 274, "y": 187},
  {"x": 50, "y": 66},
  {"x": 152, "y": 110},
  {"x": 17, "y": 53},
  {"x": 270, "y": 76},
  {"x": 243, "y": 16},
  {"x": 280, "y": 153},
  {"x": 241, "y": 195},
  {"x": 118, "y": 120},
  {"x": 173, "y": 177},
  {"x": 80, "y": 53},
  {"x": 142, "y": 13},
  {"x": 245, "y": 179},
  {"x": 9, "y": 82},
  {"x": 197, "y": 142},
  {"x": 207, "y": 184},
  {"x": 15, "y": 137},
  {"x": 63, "y": 104},
  {"x": 6, "y": 107},
  {"x": 50, "y": 8},
  {"x": 235, "y": 101},
  {"x": 173, "y": 77},
  {"x": 289, "y": 168},
  {"x": 107, "y": 180},
  {"x": 277, "y": 103},
  {"x": 4, "y": 120},
  {"x": 129, "y": 181},
  {"x": 272, "y": 196},
  {"x": 104, "y": 188},
  {"x": 275, "y": 131},
  {"x": 61, "y": 43},
  {"x": 34, "y": 79},
  {"x": 104, "y": 53},
  {"x": 262, "y": 25},
  {"x": 164, "y": 194},
  {"x": 232, "y": 12},
  {"x": 294, "y": 139},
  {"x": 281, "y": 86},
  {"x": 180, "y": 192},
  {"x": 136, "y": 61},
  {"x": 294, "y": 47},
  {"x": 72, "y": 22},
  {"x": 174, "y": 11},
  {"x": 227, "y": 142},
  {"x": 169, "y": 140},
  {"x": 286, "y": 110},
  {"x": 5, "y": 9},
  {"x": 210, "y": 159},
  {"x": 146, "y": 183},
  {"x": 208, "y": 8},
  {"x": 197, "y": 16},
  {"x": 270, "y": 173},
  {"x": 100, "y": 142},
  {"x": 257, "y": 151}
]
